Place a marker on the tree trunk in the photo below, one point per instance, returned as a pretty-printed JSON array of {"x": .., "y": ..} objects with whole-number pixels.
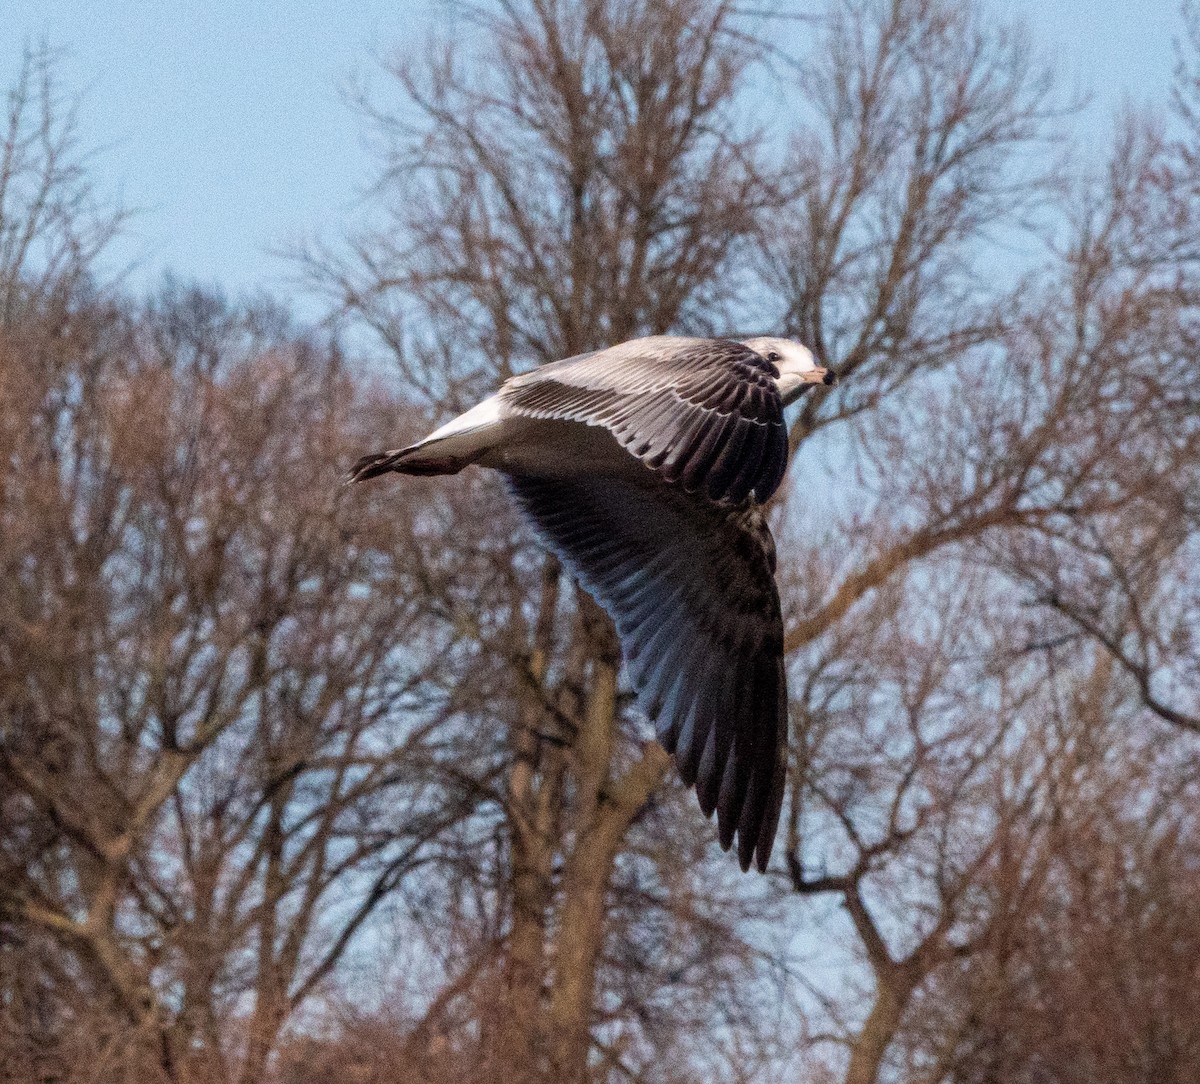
[
  {"x": 533, "y": 809},
  {"x": 605, "y": 808},
  {"x": 581, "y": 928},
  {"x": 878, "y": 1031}
]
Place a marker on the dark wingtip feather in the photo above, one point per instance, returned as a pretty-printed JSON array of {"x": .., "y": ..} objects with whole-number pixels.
[
  {"x": 708, "y": 775},
  {"x": 726, "y": 820},
  {"x": 770, "y": 824},
  {"x": 761, "y": 816}
]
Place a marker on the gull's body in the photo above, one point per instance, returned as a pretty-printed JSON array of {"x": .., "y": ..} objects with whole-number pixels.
[{"x": 642, "y": 467}]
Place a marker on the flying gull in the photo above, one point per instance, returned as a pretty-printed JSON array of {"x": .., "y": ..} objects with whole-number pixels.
[{"x": 643, "y": 468}]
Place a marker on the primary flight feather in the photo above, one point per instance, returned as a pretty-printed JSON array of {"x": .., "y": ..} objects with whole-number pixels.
[{"x": 643, "y": 468}]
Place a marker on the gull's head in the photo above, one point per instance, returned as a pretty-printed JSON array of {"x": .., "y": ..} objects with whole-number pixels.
[{"x": 798, "y": 369}]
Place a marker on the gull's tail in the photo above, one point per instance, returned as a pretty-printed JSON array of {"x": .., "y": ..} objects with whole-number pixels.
[
  {"x": 419, "y": 459},
  {"x": 445, "y": 451}
]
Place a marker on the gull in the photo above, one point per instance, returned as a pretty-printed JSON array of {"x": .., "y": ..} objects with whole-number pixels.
[{"x": 644, "y": 468}]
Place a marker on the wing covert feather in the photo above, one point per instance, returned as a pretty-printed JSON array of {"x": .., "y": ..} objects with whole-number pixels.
[{"x": 704, "y": 413}]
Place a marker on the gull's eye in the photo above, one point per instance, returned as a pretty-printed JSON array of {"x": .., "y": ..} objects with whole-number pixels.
[{"x": 773, "y": 356}]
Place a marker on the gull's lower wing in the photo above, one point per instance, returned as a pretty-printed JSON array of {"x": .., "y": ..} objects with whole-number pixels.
[
  {"x": 705, "y": 414},
  {"x": 691, "y": 588}
]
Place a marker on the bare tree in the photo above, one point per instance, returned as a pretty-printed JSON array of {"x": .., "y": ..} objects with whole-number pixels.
[
  {"x": 217, "y": 740},
  {"x": 581, "y": 179},
  {"x": 976, "y": 428},
  {"x": 924, "y": 142},
  {"x": 917, "y": 783},
  {"x": 1095, "y": 977},
  {"x": 1034, "y": 445},
  {"x": 53, "y": 224}
]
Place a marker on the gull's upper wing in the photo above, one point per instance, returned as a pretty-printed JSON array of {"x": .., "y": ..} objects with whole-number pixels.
[
  {"x": 691, "y": 587},
  {"x": 704, "y": 413}
]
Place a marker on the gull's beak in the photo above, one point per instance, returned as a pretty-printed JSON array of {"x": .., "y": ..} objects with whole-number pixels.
[{"x": 819, "y": 375}]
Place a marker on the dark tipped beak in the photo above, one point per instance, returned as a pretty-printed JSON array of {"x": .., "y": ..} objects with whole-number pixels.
[{"x": 819, "y": 375}]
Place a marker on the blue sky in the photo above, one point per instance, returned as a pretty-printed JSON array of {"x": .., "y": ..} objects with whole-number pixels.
[{"x": 222, "y": 121}]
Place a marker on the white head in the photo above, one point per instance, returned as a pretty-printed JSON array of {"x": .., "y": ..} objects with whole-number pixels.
[{"x": 798, "y": 369}]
